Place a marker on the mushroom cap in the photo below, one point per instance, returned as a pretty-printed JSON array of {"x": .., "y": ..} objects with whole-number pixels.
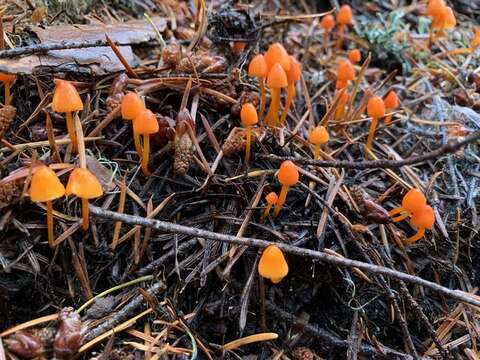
[
  {"x": 319, "y": 135},
  {"x": 258, "y": 66},
  {"x": 340, "y": 84},
  {"x": 354, "y": 55},
  {"x": 475, "y": 43},
  {"x": 345, "y": 70},
  {"x": 424, "y": 218},
  {"x": 414, "y": 201},
  {"x": 45, "y": 185},
  {"x": 276, "y": 54},
  {"x": 328, "y": 22},
  {"x": 272, "y": 264},
  {"x": 450, "y": 21},
  {"x": 295, "y": 71},
  {"x": 376, "y": 107},
  {"x": 65, "y": 97},
  {"x": 435, "y": 8},
  {"x": 83, "y": 184},
  {"x": 131, "y": 106},
  {"x": 391, "y": 100},
  {"x": 288, "y": 173},
  {"x": 271, "y": 198},
  {"x": 145, "y": 123},
  {"x": 248, "y": 114},
  {"x": 344, "y": 16},
  {"x": 7, "y": 78},
  {"x": 277, "y": 78}
]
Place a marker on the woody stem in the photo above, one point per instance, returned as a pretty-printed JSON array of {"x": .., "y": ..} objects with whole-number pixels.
[
  {"x": 51, "y": 240},
  {"x": 85, "y": 214}
]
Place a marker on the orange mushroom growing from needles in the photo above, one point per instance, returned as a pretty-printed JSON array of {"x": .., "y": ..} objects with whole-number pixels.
[
  {"x": 46, "y": 187},
  {"x": 293, "y": 75},
  {"x": 413, "y": 201},
  {"x": 318, "y": 136},
  {"x": 287, "y": 176},
  {"x": 375, "y": 110},
  {"x": 344, "y": 18},
  {"x": 67, "y": 100},
  {"x": 145, "y": 124},
  {"x": 354, "y": 56},
  {"x": 249, "y": 117},
  {"x": 327, "y": 24},
  {"x": 276, "y": 54},
  {"x": 272, "y": 264},
  {"x": 84, "y": 185},
  {"x": 272, "y": 199},
  {"x": 7, "y": 80},
  {"x": 345, "y": 73},
  {"x": 391, "y": 103},
  {"x": 276, "y": 80},
  {"x": 422, "y": 219},
  {"x": 131, "y": 106},
  {"x": 258, "y": 68}
]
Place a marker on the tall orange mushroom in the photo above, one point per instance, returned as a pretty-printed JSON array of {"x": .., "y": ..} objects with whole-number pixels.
[
  {"x": 276, "y": 80},
  {"x": 272, "y": 264},
  {"x": 318, "y": 136},
  {"x": 272, "y": 199},
  {"x": 46, "y": 187},
  {"x": 327, "y": 24},
  {"x": 258, "y": 68},
  {"x": 131, "y": 106},
  {"x": 249, "y": 117},
  {"x": 391, "y": 103},
  {"x": 293, "y": 75},
  {"x": 375, "y": 110},
  {"x": 84, "y": 185},
  {"x": 422, "y": 220},
  {"x": 344, "y": 18},
  {"x": 345, "y": 73},
  {"x": 7, "y": 80},
  {"x": 287, "y": 176},
  {"x": 145, "y": 124},
  {"x": 67, "y": 100}
]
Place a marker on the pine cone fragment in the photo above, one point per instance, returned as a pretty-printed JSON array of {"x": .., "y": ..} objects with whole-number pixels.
[
  {"x": 7, "y": 114},
  {"x": 183, "y": 144},
  {"x": 10, "y": 192},
  {"x": 68, "y": 337},
  {"x": 25, "y": 345},
  {"x": 236, "y": 141}
]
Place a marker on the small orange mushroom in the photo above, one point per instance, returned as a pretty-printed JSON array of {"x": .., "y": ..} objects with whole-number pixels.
[
  {"x": 46, "y": 187},
  {"x": 345, "y": 72},
  {"x": 7, "y": 80},
  {"x": 413, "y": 201},
  {"x": 293, "y": 75},
  {"x": 475, "y": 43},
  {"x": 422, "y": 220},
  {"x": 344, "y": 18},
  {"x": 249, "y": 117},
  {"x": 258, "y": 68},
  {"x": 272, "y": 264},
  {"x": 375, "y": 110},
  {"x": 327, "y": 24},
  {"x": 272, "y": 199},
  {"x": 276, "y": 54},
  {"x": 276, "y": 80},
  {"x": 145, "y": 124},
  {"x": 318, "y": 136},
  {"x": 84, "y": 185},
  {"x": 391, "y": 103},
  {"x": 131, "y": 106},
  {"x": 67, "y": 100},
  {"x": 287, "y": 176},
  {"x": 354, "y": 56}
]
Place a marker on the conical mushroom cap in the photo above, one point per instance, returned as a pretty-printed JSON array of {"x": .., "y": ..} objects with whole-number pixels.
[
  {"x": 7, "y": 78},
  {"x": 271, "y": 198},
  {"x": 248, "y": 114},
  {"x": 354, "y": 55},
  {"x": 376, "y": 107},
  {"x": 131, "y": 106},
  {"x": 424, "y": 218},
  {"x": 450, "y": 20},
  {"x": 295, "y": 71},
  {"x": 435, "y": 7},
  {"x": 272, "y": 264},
  {"x": 83, "y": 184},
  {"x": 45, "y": 185},
  {"x": 288, "y": 173},
  {"x": 328, "y": 22},
  {"x": 345, "y": 70},
  {"x": 414, "y": 201},
  {"x": 258, "y": 66},
  {"x": 344, "y": 16},
  {"x": 476, "y": 40},
  {"x": 319, "y": 135},
  {"x": 276, "y": 54},
  {"x": 391, "y": 100},
  {"x": 66, "y": 98},
  {"x": 145, "y": 123},
  {"x": 277, "y": 78}
]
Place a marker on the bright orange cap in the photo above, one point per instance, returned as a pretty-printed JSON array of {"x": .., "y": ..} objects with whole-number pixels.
[
  {"x": 354, "y": 55},
  {"x": 295, "y": 71},
  {"x": 424, "y": 218},
  {"x": 319, "y": 135},
  {"x": 145, "y": 123},
  {"x": 376, "y": 107},
  {"x": 83, "y": 184},
  {"x": 271, "y": 198},
  {"x": 328, "y": 22},
  {"x": 391, "y": 100},
  {"x": 272, "y": 264},
  {"x": 132, "y": 105},
  {"x": 288, "y": 173},
  {"x": 258, "y": 67},
  {"x": 45, "y": 185},
  {"x": 277, "y": 78},
  {"x": 276, "y": 53},
  {"x": 340, "y": 84},
  {"x": 345, "y": 70},
  {"x": 65, "y": 97},
  {"x": 414, "y": 201},
  {"x": 435, "y": 7},
  {"x": 344, "y": 16},
  {"x": 476, "y": 40},
  {"x": 450, "y": 20},
  {"x": 248, "y": 114},
  {"x": 7, "y": 78}
]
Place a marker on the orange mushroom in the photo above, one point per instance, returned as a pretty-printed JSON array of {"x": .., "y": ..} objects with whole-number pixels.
[
  {"x": 293, "y": 75},
  {"x": 475, "y": 43},
  {"x": 340, "y": 110},
  {"x": 422, "y": 220},
  {"x": 276, "y": 54},
  {"x": 318, "y": 136},
  {"x": 287, "y": 176},
  {"x": 67, "y": 100},
  {"x": 276, "y": 80},
  {"x": 83, "y": 184},
  {"x": 7, "y": 80},
  {"x": 345, "y": 72},
  {"x": 375, "y": 110},
  {"x": 413, "y": 201},
  {"x": 271, "y": 200},
  {"x": 258, "y": 68},
  {"x": 46, "y": 187},
  {"x": 272, "y": 264},
  {"x": 131, "y": 106},
  {"x": 145, "y": 124},
  {"x": 249, "y": 117},
  {"x": 354, "y": 56},
  {"x": 327, "y": 24},
  {"x": 344, "y": 18},
  {"x": 391, "y": 103}
]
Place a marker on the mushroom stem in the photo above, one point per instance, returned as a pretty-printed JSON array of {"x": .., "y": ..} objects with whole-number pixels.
[
  {"x": 288, "y": 102},
  {"x": 85, "y": 214},
  {"x": 265, "y": 213},
  {"x": 146, "y": 154},
  {"x": 388, "y": 119},
  {"x": 8, "y": 97},
  {"x": 138, "y": 146},
  {"x": 430, "y": 37},
  {"x": 420, "y": 233},
  {"x": 316, "y": 151},
  {"x": 263, "y": 96},
  {"x": 51, "y": 240},
  {"x": 71, "y": 130},
  {"x": 401, "y": 217},
  {"x": 396, "y": 211},
  {"x": 272, "y": 116},
  {"x": 281, "y": 199},
  {"x": 248, "y": 138},
  {"x": 371, "y": 134},
  {"x": 341, "y": 31}
]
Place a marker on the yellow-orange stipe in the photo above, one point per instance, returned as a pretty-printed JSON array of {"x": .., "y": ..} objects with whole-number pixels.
[
  {"x": 249, "y": 117},
  {"x": 146, "y": 124},
  {"x": 293, "y": 75},
  {"x": 276, "y": 80},
  {"x": 271, "y": 199},
  {"x": 7, "y": 80},
  {"x": 375, "y": 110}
]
